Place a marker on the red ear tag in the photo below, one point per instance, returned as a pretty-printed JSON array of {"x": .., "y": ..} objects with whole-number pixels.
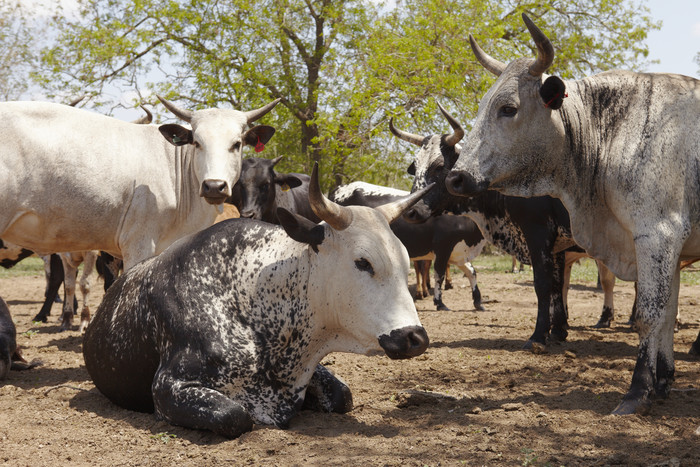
[{"x": 260, "y": 146}]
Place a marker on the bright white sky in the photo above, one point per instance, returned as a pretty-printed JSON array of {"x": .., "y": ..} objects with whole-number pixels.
[{"x": 678, "y": 41}]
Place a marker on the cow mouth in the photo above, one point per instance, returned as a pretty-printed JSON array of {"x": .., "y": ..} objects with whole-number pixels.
[
  {"x": 214, "y": 199},
  {"x": 461, "y": 183},
  {"x": 406, "y": 342}
]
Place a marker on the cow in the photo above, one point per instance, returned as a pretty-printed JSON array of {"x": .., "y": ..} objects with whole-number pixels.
[
  {"x": 10, "y": 355},
  {"x": 227, "y": 327},
  {"x": 621, "y": 151},
  {"x": 438, "y": 235},
  {"x": 536, "y": 231},
  {"x": 162, "y": 182},
  {"x": 260, "y": 191}
]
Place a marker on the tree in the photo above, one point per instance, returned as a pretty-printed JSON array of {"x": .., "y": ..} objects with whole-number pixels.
[{"x": 341, "y": 67}]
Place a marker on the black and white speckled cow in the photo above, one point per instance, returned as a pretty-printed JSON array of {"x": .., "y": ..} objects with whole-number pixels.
[
  {"x": 622, "y": 152},
  {"x": 535, "y": 230},
  {"x": 10, "y": 355},
  {"x": 227, "y": 327}
]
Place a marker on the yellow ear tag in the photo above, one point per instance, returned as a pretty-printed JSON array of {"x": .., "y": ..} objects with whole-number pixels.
[{"x": 285, "y": 187}]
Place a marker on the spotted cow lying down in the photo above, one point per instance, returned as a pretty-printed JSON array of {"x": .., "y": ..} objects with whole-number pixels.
[{"x": 227, "y": 327}]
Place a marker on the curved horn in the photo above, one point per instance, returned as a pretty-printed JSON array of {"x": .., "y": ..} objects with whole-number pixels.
[
  {"x": 276, "y": 160},
  {"x": 393, "y": 210},
  {"x": 410, "y": 137},
  {"x": 148, "y": 118},
  {"x": 182, "y": 114},
  {"x": 253, "y": 115},
  {"x": 494, "y": 66},
  {"x": 545, "y": 50},
  {"x": 337, "y": 216},
  {"x": 458, "y": 134}
]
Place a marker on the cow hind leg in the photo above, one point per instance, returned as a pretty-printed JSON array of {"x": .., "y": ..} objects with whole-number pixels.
[
  {"x": 607, "y": 282},
  {"x": 440, "y": 268},
  {"x": 55, "y": 279},
  {"x": 327, "y": 393},
  {"x": 70, "y": 272},
  {"x": 468, "y": 269},
  {"x": 560, "y": 323},
  {"x": 88, "y": 266},
  {"x": 187, "y": 404}
]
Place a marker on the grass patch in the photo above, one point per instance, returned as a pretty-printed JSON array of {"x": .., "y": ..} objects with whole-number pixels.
[{"x": 27, "y": 267}]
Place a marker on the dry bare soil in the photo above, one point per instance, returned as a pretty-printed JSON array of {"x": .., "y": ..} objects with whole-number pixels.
[{"x": 474, "y": 398}]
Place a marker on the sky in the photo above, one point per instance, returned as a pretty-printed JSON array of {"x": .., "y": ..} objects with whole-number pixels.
[{"x": 678, "y": 41}]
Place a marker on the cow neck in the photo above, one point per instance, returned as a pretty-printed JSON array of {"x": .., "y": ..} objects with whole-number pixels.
[{"x": 187, "y": 186}]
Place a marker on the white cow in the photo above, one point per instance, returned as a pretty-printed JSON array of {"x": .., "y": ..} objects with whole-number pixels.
[
  {"x": 74, "y": 180},
  {"x": 622, "y": 152}
]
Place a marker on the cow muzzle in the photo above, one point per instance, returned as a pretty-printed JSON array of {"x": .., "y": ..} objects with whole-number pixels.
[
  {"x": 214, "y": 191},
  {"x": 407, "y": 342},
  {"x": 464, "y": 184},
  {"x": 417, "y": 214}
]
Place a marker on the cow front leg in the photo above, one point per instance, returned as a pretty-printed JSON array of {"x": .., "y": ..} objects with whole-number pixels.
[
  {"x": 88, "y": 265},
  {"x": 468, "y": 269},
  {"x": 440, "y": 269},
  {"x": 327, "y": 393},
  {"x": 607, "y": 282},
  {"x": 542, "y": 269},
  {"x": 560, "y": 323},
  {"x": 189, "y": 404},
  {"x": 658, "y": 282}
]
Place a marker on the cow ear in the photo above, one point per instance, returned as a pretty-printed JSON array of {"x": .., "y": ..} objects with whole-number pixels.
[
  {"x": 287, "y": 181},
  {"x": 411, "y": 169},
  {"x": 259, "y": 134},
  {"x": 301, "y": 229},
  {"x": 176, "y": 135},
  {"x": 553, "y": 92}
]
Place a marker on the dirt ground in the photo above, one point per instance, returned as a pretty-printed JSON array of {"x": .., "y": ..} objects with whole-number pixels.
[{"x": 474, "y": 398}]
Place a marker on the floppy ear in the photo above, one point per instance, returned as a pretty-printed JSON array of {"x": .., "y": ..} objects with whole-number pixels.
[
  {"x": 553, "y": 92},
  {"x": 301, "y": 229},
  {"x": 258, "y": 136},
  {"x": 291, "y": 181},
  {"x": 411, "y": 169},
  {"x": 175, "y": 134}
]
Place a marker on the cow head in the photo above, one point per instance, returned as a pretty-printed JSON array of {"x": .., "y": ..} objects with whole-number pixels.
[
  {"x": 217, "y": 137},
  {"x": 254, "y": 192},
  {"x": 432, "y": 162},
  {"x": 518, "y": 128},
  {"x": 358, "y": 279}
]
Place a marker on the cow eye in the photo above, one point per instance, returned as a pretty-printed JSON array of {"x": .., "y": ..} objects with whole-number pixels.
[
  {"x": 363, "y": 265},
  {"x": 236, "y": 146},
  {"x": 507, "y": 111}
]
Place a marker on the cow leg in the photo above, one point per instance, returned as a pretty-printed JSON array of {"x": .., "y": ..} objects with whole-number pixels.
[
  {"x": 558, "y": 311},
  {"x": 633, "y": 315},
  {"x": 56, "y": 275},
  {"x": 417, "y": 268},
  {"x": 70, "y": 272},
  {"x": 658, "y": 282},
  {"x": 327, "y": 393},
  {"x": 468, "y": 269},
  {"x": 607, "y": 282},
  {"x": 566, "y": 282},
  {"x": 187, "y": 403},
  {"x": 549, "y": 282},
  {"x": 448, "y": 279},
  {"x": 88, "y": 265},
  {"x": 440, "y": 268}
]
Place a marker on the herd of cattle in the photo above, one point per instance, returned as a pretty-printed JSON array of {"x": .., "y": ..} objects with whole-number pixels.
[{"x": 221, "y": 325}]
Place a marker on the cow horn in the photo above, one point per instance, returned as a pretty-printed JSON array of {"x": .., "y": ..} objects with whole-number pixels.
[
  {"x": 393, "y": 210},
  {"x": 182, "y": 114},
  {"x": 148, "y": 118},
  {"x": 253, "y": 115},
  {"x": 545, "y": 50},
  {"x": 458, "y": 134},
  {"x": 337, "y": 216},
  {"x": 491, "y": 64},
  {"x": 410, "y": 137},
  {"x": 276, "y": 160}
]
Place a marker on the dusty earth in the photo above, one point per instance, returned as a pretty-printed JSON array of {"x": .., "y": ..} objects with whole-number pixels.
[{"x": 474, "y": 398}]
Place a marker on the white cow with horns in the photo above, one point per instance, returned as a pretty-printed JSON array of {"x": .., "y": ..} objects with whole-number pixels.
[
  {"x": 622, "y": 152},
  {"x": 74, "y": 180}
]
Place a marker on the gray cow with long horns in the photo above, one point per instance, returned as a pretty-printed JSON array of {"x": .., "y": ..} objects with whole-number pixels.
[
  {"x": 226, "y": 328},
  {"x": 622, "y": 152}
]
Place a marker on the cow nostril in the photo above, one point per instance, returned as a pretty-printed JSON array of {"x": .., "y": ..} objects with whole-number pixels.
[
  {"x": 455, "y": 182},
  {"x": 214, "y": 187}
]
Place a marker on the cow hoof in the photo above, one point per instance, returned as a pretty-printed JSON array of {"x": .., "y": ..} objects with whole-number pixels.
[
  {"x": 40, "y": 319},
  {"x": 442, "y": 307},
  {"x": 695, "y": 350},
  {"x": 479, "y": 307},
  {"x": 83, "y": 326},
  {"x": 448, "y": 285},
  {"x": 633, "y": 406},
  {"x": 537, "y": 348},
  {"x": 558, "y": 336},
  {"x": 603, "y": 323}
]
